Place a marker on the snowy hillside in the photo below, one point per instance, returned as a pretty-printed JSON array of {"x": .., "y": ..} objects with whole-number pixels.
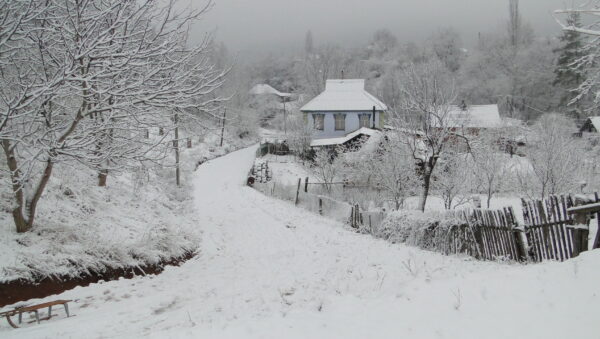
[
  {"x": 269, "y": 270},
  {"x": 138, "y": 219}
]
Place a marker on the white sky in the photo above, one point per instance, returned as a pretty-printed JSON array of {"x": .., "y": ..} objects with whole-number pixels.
[{"x": 269, "y": 25}]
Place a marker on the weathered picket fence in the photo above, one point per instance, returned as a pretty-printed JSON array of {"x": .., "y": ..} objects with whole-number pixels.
[
  {"x": 487, "y": 234},
  {"x": 554, "y": 229},
  {"x": 557, "y": 228}
]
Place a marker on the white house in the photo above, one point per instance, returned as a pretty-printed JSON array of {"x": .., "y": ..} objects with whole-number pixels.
[{"x": 343, "y": 108}]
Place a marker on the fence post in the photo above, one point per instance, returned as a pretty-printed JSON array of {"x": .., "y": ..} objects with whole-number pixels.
[
  {"x": 597, "y": 240},
  {"x": 306, "y": 185},
  {"x": 298, "y": 190},
  {"x": 521, "y": 240},
  {"x": 580, "y": 235}
]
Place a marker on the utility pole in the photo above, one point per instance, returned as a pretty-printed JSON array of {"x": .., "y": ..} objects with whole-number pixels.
[
  {"x": 223, "y": 125},
  {"x": 176, "y": 147},
  {"x": 284, "y": 118}
]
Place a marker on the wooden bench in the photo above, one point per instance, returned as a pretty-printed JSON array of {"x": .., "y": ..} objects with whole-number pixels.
[{"x": 34, "y": 308}]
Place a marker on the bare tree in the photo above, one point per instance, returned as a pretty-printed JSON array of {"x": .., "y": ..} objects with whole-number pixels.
[
  {"x": 489, "y": 165},
  {"x": 555, "y": 156},
  {"x": 100, "y": 73},
  {"x": 453, "y": 179},
  {"x": 325, "y": 63},
  {"x": 391, "y": 168},
  {"x": 425, "y": 121},
  {"x": 327, "y": 167}
]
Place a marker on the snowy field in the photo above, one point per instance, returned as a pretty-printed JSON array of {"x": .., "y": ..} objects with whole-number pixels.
[{"x": 269, "y": 270}]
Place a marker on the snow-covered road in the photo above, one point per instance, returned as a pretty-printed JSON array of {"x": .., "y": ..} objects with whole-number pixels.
[{"x": 269, "y": 270}]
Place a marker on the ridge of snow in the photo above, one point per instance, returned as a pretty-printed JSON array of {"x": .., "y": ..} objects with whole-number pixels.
[{"x": 344, "y": 95}]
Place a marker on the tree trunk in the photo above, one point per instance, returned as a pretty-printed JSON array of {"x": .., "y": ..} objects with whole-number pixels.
[
  {"x": 102, "y": 177},
  {"x": 425, "y": 190}
]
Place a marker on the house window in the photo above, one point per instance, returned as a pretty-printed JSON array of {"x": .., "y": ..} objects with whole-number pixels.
[
  {"x": 319, "y": 121},
  {"x": 364, "y": 120},
  {"x": 340, "y": 122}
]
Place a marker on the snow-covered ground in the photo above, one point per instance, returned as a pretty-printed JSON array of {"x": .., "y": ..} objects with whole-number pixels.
[
  {"x": 138, "y": 219},
  {"x": 269, "y": 270}
]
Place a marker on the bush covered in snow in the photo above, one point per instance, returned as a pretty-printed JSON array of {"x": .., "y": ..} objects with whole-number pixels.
[{"x": 426, "y": 230}]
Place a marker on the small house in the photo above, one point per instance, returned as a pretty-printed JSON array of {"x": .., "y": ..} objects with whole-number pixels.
[
  {"x": 267, "y": 90},
  {"x": 471, "y": 120},
  {"x": 342, "y": 109},
  {"x": 591, "y": 125}
]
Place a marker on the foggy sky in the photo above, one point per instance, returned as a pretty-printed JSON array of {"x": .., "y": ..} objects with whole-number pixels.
[{"x": 269, "y": 25}]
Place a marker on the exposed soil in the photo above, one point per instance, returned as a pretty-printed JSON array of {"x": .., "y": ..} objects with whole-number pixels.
[{"x": 21, "y": 290}]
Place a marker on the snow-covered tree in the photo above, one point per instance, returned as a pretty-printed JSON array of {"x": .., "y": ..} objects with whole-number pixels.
[
  {"x": 392, "y": 169},
  {"x": 447, "y": 46},
  {"x": 327, "y": 166},
  {"x": 424, "y": 121},
  {"x": 300, "y": 135},
  {"x": 454, "y": 179},
  {"x": 98, "y": 75},
  {"x": 555, "y": 157},
  {"x": 568, "y": 77},
  {"x": 587, "y": 62},
  {"x": 489, "y": 165}
]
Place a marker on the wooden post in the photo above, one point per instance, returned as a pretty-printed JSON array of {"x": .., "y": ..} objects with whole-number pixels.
[
  {"x": 597, "y": 240},
  {"x": 580, "y": 234},
  {"x": 521, "y": 240},
  {"x": 223, "y": 125},
  {"x": 298, "y": 190},
  {"x": 306, "y": 185},
  {"x": 320, "y": 206}
]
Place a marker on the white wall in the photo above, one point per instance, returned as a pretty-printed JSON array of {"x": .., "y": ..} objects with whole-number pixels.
[{"x": 352, "y": 123}]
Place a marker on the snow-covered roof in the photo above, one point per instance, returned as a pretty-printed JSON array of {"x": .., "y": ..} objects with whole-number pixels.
[
  {"x": 344, "y": 95},
  {"x": 344, "y": 139},
  {"x": 475, "y": 116},
  {"x": 267, "y": 89},
  {"x": 596, "y": 122}
]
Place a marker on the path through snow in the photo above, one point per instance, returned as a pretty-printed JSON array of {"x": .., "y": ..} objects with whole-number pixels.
[{"x": 269, "y": 270}]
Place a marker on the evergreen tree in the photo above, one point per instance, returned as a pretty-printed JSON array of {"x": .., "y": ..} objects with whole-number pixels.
[{"x": 568, "y": 76}]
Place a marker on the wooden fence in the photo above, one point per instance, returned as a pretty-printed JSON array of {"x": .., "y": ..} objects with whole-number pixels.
[
  {"x": 554, "y": 229},
  {"x": 553, "y": 226}
]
